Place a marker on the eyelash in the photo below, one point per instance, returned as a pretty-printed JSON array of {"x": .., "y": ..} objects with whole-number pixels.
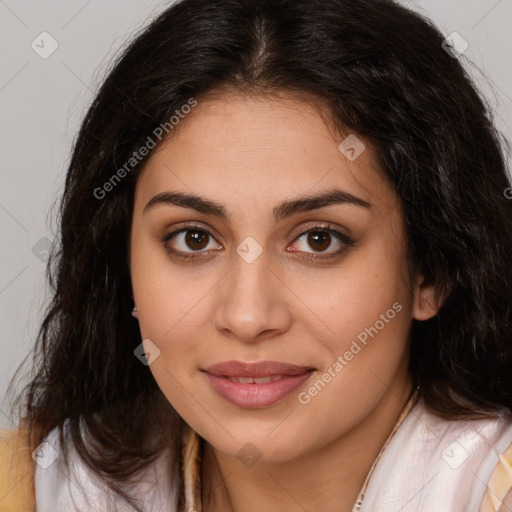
[{"x": 323, "y": 228}]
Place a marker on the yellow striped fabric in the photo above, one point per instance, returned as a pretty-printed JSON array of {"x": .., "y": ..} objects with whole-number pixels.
[
  {"x": 497, "y": 497},
  {"x": 16, "y": 472}
]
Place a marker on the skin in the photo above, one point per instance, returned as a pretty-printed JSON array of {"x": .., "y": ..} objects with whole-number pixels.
[{"x": 251, "y": 153}]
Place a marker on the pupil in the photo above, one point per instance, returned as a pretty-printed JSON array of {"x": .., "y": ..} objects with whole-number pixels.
[{"x": 317, "y": 237}]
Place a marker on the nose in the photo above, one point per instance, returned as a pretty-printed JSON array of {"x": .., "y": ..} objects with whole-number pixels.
[{"x": 251, "y": 302}]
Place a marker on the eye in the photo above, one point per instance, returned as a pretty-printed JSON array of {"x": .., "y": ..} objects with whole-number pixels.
[
  {"x": 192, "y": 241},
  {"x": 191, "y": 236},
  {"x": 321, "y": 239}
]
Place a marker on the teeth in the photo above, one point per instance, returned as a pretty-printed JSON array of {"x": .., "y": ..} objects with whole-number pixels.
[
  {"x": 255, "y": 380},
  {"x": 246, "y": 380},
  {"x": 263, "y": 380}
]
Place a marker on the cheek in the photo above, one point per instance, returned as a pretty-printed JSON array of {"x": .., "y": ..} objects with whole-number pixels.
[
  {"x": 177, "y": 325},
  {"x": 361, "y": 293},
  {"x": 171, "y": 308},
  {"x": 170, "y": 297},
  {"x": 368, "y": 311},
  {"x": 362, "y": 361}
]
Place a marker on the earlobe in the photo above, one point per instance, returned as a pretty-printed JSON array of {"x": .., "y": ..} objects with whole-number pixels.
[
  {"x": 425, "y": 304},
  {"x": 134, "y": 310}
]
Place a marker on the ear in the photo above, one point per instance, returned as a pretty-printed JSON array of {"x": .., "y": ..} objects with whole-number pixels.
[{"x": 425, "y": 305}]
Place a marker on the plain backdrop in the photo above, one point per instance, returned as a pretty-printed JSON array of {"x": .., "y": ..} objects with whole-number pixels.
[{"x": 42, "y": 102}]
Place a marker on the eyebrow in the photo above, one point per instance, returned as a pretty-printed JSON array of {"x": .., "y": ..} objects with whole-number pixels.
[{"x": 281, "y": 211}]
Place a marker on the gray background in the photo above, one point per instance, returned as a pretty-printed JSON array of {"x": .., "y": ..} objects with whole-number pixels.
[{"x": 42, "y": 102}]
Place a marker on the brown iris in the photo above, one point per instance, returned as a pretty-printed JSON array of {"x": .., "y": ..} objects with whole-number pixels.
[
  {"x": 196, "y": 239},
  {"x": 318, "y": 239}
]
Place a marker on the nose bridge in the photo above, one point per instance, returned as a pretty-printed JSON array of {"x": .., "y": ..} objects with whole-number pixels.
[
  {"x": 249, "y": 267},
  {"x": 249, "y": 282},
  {"x": 248, "y": 301}
]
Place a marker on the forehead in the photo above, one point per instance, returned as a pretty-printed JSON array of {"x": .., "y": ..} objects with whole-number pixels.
[{"x": 253, "y": 152}]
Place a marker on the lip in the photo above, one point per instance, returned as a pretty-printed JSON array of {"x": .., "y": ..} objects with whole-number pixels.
[
  {"x": 254, "y": 395},
  {"x": 259, "y": 369}
]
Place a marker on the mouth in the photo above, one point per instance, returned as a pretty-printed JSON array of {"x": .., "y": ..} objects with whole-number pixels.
[
  {"x": 254, "y": 380},
  {"x": 256, "y": 385}
]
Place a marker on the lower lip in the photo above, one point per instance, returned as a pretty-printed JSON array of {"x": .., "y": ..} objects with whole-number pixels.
[{"x": 255, "y": 396}]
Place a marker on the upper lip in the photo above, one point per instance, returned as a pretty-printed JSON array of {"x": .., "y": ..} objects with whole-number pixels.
[{"x": 259, "y": 369}]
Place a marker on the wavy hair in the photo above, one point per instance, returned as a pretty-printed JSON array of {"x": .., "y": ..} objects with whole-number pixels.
[{"x": 383, "y": 73}]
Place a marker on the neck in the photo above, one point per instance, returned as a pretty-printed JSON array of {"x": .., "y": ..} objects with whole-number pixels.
[{"x": 327, "y": 479}]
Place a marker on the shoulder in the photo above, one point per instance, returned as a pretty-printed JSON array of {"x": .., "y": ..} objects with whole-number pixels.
[
  {"x": 437, "y": 464},
  {"x": 61, "y": 487},
  {"x": 472, "y": 457},
  {"x": 16, "y": 471}
]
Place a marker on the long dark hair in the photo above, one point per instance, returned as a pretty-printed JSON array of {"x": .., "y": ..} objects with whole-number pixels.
[{"x": 384, "y": 73}]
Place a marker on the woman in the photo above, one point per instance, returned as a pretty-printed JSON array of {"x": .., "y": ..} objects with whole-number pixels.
[{"x": 303, "y": 206}]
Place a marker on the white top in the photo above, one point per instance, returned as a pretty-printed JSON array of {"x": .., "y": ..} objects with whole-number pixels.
[
  {"x": 436, "y": 465},
  {"x": 57, "y": 491},
  {"x": 429, "y": 465}
]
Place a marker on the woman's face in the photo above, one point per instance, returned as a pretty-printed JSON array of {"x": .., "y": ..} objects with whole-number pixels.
[{"x": 271, "y": 282}]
